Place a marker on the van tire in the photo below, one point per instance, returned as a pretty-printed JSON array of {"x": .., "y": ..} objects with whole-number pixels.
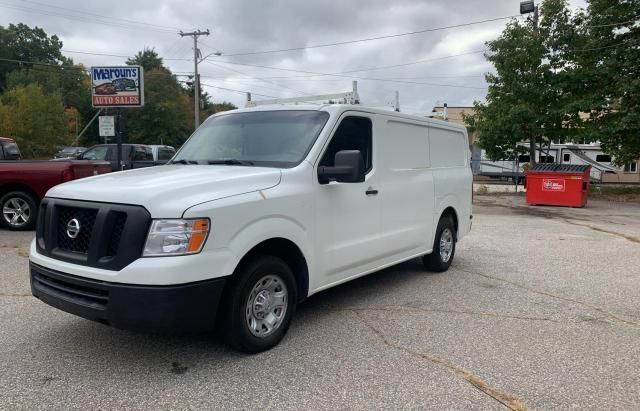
[
  {"x": 259, "y": 279},
  {"x": 22, "y": 202},
  {"x": 444, "y": 246}
]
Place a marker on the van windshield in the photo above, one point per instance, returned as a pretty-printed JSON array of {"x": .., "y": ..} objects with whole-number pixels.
[{"x": 260, "y": 138}]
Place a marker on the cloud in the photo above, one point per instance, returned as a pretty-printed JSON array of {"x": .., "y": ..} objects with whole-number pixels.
[{"x": 245, "y": 26}]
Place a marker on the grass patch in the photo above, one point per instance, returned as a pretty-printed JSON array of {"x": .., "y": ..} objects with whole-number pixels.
[
  {"x": 615, "y": 193},
  {"x": 482, "y": 189}
]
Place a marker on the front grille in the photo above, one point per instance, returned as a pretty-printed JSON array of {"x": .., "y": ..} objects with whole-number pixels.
[
  {"x": 82, "y": 294},
  {"x": 116, "y": 233},
  {"x": 110, "y": 236},
  {"x": 86, "y": 219}
]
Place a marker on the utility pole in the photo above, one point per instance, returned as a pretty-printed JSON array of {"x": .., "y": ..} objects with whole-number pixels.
[
  {"x": 526, "y": 7},
  {"x": 196, "y": 76}
]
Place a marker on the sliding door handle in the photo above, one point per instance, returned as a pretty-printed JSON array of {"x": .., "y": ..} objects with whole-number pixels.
[{"x": 371, "y": 192}]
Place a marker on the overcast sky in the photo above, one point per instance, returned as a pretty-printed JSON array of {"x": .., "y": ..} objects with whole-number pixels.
[{"x": 241, "y": 26}]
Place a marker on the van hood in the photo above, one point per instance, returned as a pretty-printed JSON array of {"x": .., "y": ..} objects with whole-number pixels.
[{"x": 167, "y": 191}]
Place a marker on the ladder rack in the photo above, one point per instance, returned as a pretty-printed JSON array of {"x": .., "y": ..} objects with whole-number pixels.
[{"x": 349, "y": 97}]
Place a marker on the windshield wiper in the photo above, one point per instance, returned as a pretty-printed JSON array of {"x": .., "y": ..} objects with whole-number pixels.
[
  {"x": 232, "y": 162},
  {"x": 183, "y": 161}
]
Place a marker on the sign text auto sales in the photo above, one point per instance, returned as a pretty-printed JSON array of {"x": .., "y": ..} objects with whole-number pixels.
[{"x": 119, "y": 86}]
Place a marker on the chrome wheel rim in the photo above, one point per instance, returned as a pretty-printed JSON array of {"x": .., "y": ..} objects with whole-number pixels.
[
  {"x": 16, "y": 211},
  {"x": 446, "y": 245},
  {"x": 266, "y": 306}
]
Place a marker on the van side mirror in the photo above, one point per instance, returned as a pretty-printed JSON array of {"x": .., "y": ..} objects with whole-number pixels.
[{"x": 348, "y": 168}]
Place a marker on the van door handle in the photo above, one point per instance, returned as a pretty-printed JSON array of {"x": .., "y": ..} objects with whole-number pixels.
[{"x": 371, "y": 192}]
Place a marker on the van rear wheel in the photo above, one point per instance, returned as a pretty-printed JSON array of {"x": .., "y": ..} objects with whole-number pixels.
[
  {"x": 444, "y": 246},
  {"x": 260, "y": 304}
]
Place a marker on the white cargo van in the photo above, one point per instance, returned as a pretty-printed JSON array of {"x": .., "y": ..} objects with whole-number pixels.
[{"x": 260, "y": 209}]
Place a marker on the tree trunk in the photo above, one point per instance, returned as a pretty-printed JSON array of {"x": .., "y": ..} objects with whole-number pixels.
[{"x": 532, "y": 149}]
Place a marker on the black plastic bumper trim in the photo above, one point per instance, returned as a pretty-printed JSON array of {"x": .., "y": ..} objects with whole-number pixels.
[{"x": 179, "y": 308}]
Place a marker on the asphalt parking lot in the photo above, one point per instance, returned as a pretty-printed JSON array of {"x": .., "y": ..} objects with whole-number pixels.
[{"x": 540, "y": 310}]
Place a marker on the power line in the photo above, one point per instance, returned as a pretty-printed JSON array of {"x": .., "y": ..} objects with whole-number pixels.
[
  {"x": 102, "y": 21},
  {"x": 622, "y": 23},
  {"x": 238, "y": 91},
  {"x": 117, "y": 55},
  {"x": 379, "y": 67},
  {"x": 352, "y": 77},
  {"x": 323, "y": 74},
  {"x": 343, "y": 74},
  {"x": 255, "y": 78},
  {"x": 308, "y": 78},
  {"x": 60, "y": 66},
  {"x": 340, "y": 43},
  {"x": 142, "y": 23}
]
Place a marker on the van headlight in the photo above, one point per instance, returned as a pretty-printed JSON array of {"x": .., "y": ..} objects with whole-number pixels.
[{"x": 176, "y": 237}]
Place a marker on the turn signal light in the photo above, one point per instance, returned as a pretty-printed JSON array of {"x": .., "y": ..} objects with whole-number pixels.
[{"x": 198, "y": 236}]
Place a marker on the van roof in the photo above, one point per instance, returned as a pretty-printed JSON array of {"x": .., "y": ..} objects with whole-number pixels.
[{"x": 337, "y": 109}]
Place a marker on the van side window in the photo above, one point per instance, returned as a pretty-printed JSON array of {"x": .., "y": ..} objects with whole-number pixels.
[{"x": 354, "y": 133}]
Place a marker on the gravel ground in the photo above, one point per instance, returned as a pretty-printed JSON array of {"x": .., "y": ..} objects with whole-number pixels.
[{"x": 540, "y": 310}]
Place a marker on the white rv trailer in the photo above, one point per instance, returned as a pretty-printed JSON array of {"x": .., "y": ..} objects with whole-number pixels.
[{"x": 590, "y": 154}]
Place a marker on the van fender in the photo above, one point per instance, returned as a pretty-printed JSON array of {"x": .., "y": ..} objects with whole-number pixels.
[
  {"x": 445, "y": 202},
  {"x": 266, "y": 228}
]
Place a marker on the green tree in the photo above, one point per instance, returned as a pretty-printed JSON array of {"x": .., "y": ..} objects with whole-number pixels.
[
  {"x": 35, "y": 119},
  {"x": 515, "y": 105},
  {"x": 23, "y": 43},
  {"x": 216, "y": 108},
  {"x": 166, "y": 116},
  {"x": 532, "y": 97},
  {"x": 72, "y": 83},
  {"x": 148, "y": 59},
  {"x": 56, "y": 75},
  {"x": 608, "y": 72},
  {"x": 207, "y": 106}
]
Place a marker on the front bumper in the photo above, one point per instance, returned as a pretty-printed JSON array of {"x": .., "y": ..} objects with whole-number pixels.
[{"x": 188, "y": 307}]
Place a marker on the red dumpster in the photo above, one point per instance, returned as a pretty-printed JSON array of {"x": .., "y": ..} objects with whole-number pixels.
[{"x": 558, "y": 184}]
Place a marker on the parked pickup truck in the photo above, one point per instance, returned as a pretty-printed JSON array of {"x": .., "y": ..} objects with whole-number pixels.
[
  {"x": 24, "y": 183},
  {"x": 133, "y": 156},
  {"x": 9, "y": 149}
]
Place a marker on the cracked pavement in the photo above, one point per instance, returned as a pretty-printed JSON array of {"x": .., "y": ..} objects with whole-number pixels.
[{"x": 540, "y": 310}]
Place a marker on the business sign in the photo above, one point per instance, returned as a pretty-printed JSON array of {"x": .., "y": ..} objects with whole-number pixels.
[
  {"x": 120, "y": 86},
  {"x": 552, "y": 184},
  {"x": 107, "y": 126}
]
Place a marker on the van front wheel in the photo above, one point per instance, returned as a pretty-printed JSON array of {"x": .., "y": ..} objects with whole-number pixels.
[
  {"x": 444, "y": 246},
  {"x": 259, "y": 305}
]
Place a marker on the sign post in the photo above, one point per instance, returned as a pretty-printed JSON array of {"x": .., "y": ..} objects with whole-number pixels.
[{"x": 117, "y": 86}]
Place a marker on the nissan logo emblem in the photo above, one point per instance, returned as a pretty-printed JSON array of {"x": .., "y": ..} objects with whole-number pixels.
[{"x": 73, "y": 228}]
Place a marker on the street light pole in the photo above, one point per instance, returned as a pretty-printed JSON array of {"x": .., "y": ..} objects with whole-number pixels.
[
  {"x": 196, "y": 77},
  {"x": 526, "y": 7}
]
